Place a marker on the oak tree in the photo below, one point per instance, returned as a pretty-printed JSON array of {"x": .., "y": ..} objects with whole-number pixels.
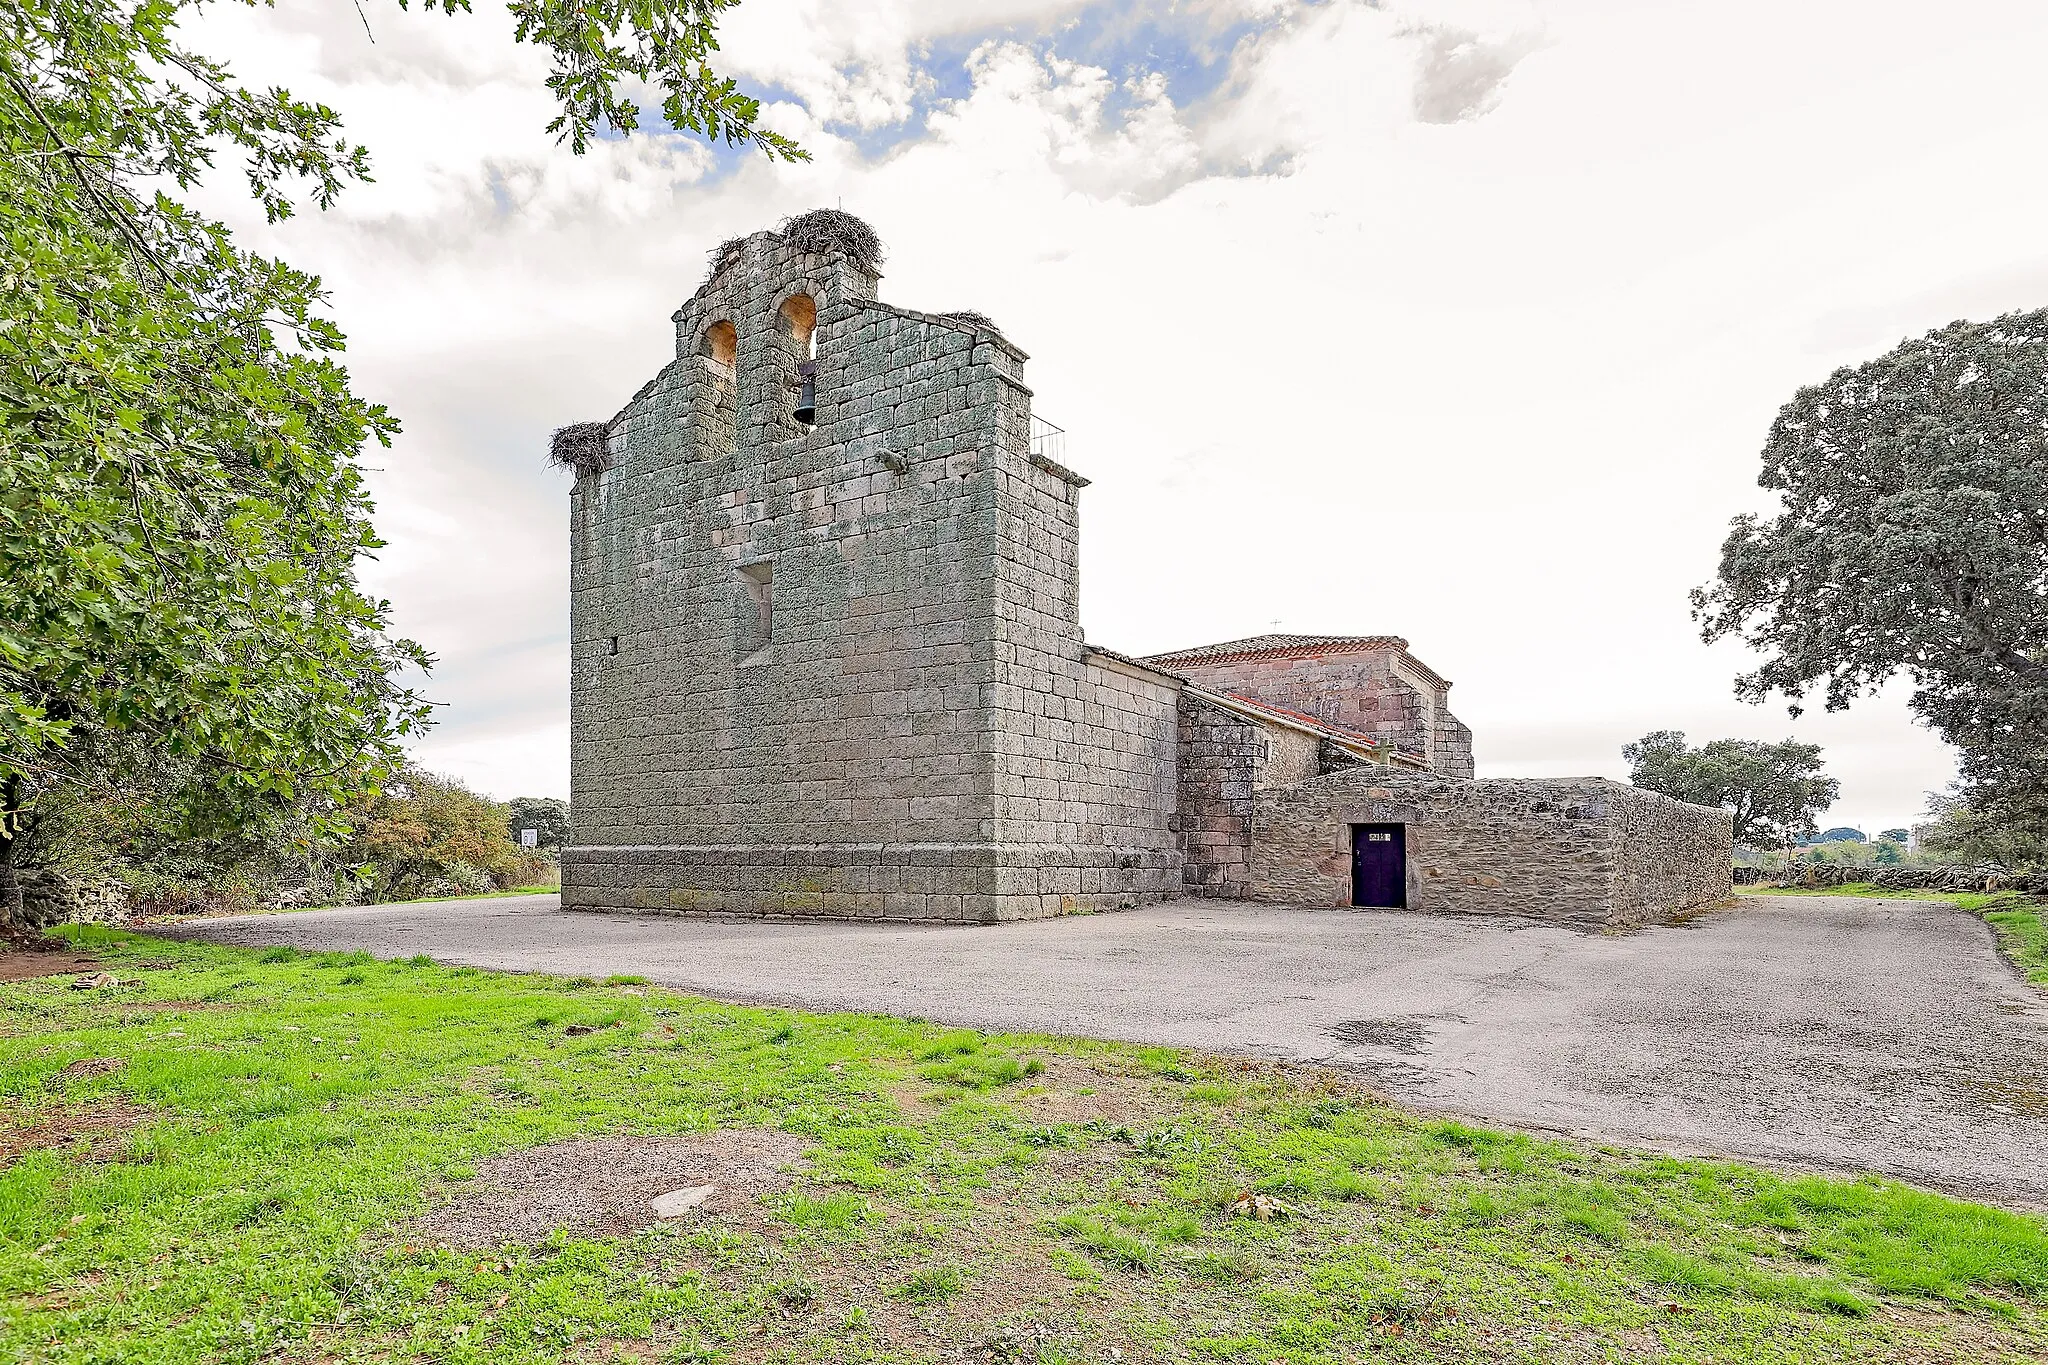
[
  {"x": 1911, "y": 541},
  {"x": 1774, "y": 791}
]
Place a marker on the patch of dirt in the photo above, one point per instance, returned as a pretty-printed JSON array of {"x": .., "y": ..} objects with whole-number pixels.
[
  {"x": 88, "y": 1067},
  {"x": 26, "y": 966},
  {"x": 1056, "y": 1095},
  {"x": 601, "y": 1187},
  {"x": 100, "y": 1127}
]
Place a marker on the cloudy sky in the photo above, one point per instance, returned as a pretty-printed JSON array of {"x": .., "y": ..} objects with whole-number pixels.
[{"x": 1461, "y": 320}]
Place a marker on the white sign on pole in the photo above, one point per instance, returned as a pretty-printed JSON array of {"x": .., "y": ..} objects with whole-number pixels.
[{"x": 529, "y": 838}]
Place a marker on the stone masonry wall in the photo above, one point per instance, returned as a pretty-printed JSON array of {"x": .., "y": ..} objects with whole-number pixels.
[
  {"x": 1351, "y": 689},
  {"x": 1669, "y": 855},
  {"x": 1290, "y": 756},
  {"x": 1585, "y": 851},
  {"x": 1225, "y": 758},
  {"x": 837, "y": 669},
  {"x": 50, "y": 897},
  {"x": 1219, "y": 752}
]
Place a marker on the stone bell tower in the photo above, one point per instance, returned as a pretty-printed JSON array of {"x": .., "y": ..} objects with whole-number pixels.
[{"x": 826, "y": 650}]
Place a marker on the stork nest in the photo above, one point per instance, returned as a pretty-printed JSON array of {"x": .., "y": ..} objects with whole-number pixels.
[
  {"x": 979, "y": 321},
  {"x": 825, "y": 231},
  {"x": 726, "y": 252},
  {"x": 581, "y": 446}
]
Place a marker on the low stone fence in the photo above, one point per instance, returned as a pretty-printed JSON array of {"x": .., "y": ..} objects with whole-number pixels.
[
  {"x": 1896, "y": 877},
  {"x": 50, "y": 897},
  {"x": 1571, "y": 850}
]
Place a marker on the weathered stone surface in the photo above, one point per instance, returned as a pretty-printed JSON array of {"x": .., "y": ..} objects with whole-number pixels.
[
  {"x": 838, "y": 669},
  {"x": 1574, "y": 850},
  {"x": 1225, "y": 756},
  {"x": 834, "y": 668},
  {"x": 1370, "y": 685},
  {"x": 51, "y": 897}
]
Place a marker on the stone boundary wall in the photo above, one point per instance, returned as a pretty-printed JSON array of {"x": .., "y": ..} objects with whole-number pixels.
[
  {"x": 1897, "y": 877},
  {"x": 1582, "y": 851},
  {"x": 1670, "y": 856},
  {"x": 51, "y": 897}
]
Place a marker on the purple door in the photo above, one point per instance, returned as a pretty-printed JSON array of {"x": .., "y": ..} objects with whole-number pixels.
[{"x": 1379, "y": 866}]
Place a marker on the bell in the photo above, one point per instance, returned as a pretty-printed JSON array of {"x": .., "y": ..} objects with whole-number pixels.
[{"x": 806, "y": 392}]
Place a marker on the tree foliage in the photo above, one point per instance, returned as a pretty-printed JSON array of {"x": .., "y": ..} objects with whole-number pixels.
[
  {"x": 423, "y": 835},
  {"x": 1912, "y": 540},
  {"x": 1960, "y": 831},
  {"x": 181, "y": 508},
  {"x": 547, "y": 814},
  {"x": 1773, "y": 790}
]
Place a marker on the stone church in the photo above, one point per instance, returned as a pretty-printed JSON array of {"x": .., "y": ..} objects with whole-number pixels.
[{"x": 828, "y": 661}]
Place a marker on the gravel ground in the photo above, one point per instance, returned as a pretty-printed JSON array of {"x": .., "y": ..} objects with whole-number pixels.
[
  {"x": 1804, "y": 1031},
  {"x": 603, "y": 1187}
]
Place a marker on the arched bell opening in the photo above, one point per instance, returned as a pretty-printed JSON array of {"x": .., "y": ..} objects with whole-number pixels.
[
  {"x": 800, "y": 317},
  {"x": 721, "y": 346}
]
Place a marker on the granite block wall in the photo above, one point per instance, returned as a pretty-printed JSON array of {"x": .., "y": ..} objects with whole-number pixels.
[
  {"x": 1582, "y": 851},
  {"x": 837, "y": 668}
]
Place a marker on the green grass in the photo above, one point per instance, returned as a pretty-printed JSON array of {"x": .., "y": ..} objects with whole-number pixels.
[
  {"x": 2015, "y": 918},
  {"x": 290, "y": 1111}
]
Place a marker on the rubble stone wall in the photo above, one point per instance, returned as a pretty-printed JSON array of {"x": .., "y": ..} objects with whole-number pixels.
[
  {"x": 1897, "y": 877},
  {"x": 51, "y": 897},
  {"x": 1669, "y": 855},
  {"x": 1585, "y": 851}
]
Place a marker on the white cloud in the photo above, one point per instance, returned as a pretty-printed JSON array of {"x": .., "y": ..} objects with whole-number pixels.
[{"x": 1493, "y": 377}]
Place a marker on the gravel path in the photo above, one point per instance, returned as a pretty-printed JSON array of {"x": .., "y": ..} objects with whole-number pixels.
[{"x": 1808, "y": 1031}]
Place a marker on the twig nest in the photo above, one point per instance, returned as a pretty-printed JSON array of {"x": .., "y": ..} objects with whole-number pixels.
[
  {"x": 581, "y": 446},
  {"x": 828, "y": 231}
]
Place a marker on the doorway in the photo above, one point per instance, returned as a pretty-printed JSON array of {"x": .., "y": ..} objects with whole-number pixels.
[{"x": 1379, "y": 866}]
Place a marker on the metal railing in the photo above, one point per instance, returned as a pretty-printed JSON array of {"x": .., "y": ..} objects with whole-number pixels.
[{"x": 1048, "y": 442}]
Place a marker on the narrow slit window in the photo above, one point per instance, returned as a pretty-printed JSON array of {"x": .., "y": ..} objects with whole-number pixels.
[
  {"x": 757, "y": 626},
  {"x": 613, "y": 649}
]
